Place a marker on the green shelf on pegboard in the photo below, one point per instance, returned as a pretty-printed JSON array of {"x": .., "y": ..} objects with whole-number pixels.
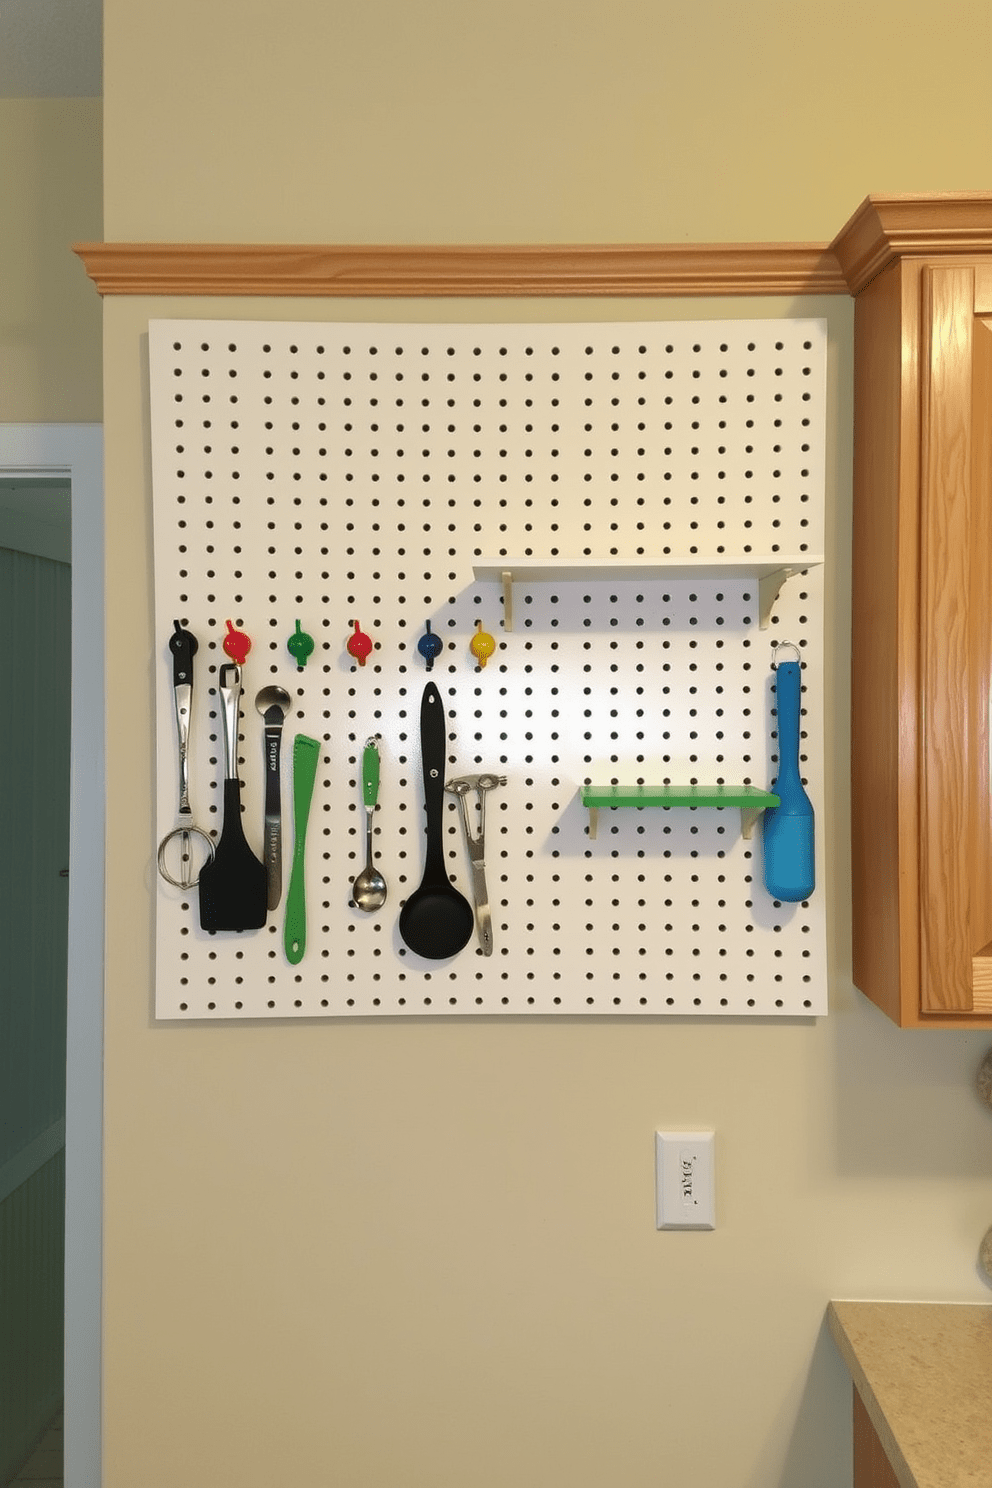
[{"x": 747, "y": 798}]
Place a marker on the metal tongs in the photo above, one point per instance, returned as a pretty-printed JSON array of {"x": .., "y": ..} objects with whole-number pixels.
[
  {"x": 476, "y": 844},
  {"x": 185, "y": 851}
]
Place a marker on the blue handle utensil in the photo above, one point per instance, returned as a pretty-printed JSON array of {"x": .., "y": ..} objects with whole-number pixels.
[{"x": 788, "y": 828}]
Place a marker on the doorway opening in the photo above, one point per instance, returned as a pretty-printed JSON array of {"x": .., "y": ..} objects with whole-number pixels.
[
  {"x": 35, "y": 634},
  {"x": 66, "y": 461}
]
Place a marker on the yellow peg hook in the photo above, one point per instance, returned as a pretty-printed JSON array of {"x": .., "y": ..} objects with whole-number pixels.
[{"x": 482, "y": 644}]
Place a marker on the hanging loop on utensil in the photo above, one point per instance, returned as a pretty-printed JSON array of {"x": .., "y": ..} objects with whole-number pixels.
[
  {"x": 784, "y": 646},
  {"x": 182, "y": 854}
]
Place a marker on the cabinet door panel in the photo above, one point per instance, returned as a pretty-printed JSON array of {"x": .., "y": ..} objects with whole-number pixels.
[
  {"x": 884, "y": 663},
  {"x": 981, "y": 658},
  {"x": 945, "y": 646},
  {"x": 955, "y": 526}
]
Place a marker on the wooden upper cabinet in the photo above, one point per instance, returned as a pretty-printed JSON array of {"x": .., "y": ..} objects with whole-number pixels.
[{"x": 921, "y": 270}]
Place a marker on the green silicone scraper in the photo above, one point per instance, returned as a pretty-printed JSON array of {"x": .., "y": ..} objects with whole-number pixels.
[{"x": 306, "y": 757}]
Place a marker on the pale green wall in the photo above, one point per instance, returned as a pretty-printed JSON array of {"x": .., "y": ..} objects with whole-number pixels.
[
  {"x": 50, "y": 332},
  {"x": 424, "y": 1255}
]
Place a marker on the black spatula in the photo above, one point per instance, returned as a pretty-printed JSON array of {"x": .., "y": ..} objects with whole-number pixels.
[{"x": 233, "y": 887}]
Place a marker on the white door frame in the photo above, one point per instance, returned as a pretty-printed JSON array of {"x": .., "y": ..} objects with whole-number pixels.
[{"x": 76, "y": 451}]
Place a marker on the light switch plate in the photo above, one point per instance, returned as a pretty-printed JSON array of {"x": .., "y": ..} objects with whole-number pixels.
[{"x": 684, "y": 1180}]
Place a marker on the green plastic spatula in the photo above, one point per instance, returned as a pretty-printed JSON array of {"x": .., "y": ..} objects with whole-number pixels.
[{"x": 306, "y": 757}]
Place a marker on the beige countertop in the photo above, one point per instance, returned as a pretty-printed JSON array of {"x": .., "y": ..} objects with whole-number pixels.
[{"x": 924, "y": 1373}]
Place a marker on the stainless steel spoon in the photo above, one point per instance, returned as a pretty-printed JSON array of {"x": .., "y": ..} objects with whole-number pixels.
[
  {"x": 369, "y": 889},
  {"x": 273, "y": 703}
]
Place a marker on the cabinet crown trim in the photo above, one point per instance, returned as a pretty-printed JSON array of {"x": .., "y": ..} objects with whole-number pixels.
[{"x": 887, "y": 228}]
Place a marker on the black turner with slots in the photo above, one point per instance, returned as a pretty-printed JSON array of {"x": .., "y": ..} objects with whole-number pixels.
[{"x": 233, "y": 887}]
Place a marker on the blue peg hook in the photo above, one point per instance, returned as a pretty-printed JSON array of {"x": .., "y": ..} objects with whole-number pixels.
[{"x": 430, "y": 646}]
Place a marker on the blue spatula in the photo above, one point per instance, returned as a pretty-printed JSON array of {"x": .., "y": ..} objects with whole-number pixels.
[{"x": 788, "y": 827}]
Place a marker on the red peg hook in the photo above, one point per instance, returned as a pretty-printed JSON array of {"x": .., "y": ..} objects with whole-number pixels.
[
  {"x": 359, "y": 644},
  {"x": 236, "y": 644}
]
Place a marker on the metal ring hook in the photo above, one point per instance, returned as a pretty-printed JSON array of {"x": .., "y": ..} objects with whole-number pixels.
[{"x": 779, "y": 646}]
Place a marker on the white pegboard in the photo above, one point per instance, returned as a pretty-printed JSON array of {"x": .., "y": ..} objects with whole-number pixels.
[{"x": 329, "y": 473}]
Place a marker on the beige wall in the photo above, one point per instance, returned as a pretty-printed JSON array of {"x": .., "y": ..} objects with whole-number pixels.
[
  {"x": 533, "y": 120},
  {"x": 423, "y": 1255},
  {"x": 50, "y": 187}
]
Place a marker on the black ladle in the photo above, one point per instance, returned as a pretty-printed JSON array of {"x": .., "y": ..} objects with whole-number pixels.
[{"x": 436, "y": 921}]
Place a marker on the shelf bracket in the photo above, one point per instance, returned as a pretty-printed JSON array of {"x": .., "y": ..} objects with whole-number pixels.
[
  {"x": 507, "y": 578},
  {"x": 593, "y": 822},
  {"x": 769, "y": 588},
  {"x": 748, "y": 820}
]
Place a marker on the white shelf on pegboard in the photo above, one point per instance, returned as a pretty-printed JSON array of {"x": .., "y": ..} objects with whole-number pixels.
[{"x": 771, "y": 570}]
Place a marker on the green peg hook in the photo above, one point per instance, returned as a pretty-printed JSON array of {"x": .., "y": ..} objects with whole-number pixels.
[{"x": 300, "y": 645}]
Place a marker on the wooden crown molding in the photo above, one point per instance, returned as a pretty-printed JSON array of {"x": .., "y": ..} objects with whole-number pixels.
[
  {"x": 470, "y": 270},
  {"x": 883, "y": 229},
  {"x": 886, "y": 228}
]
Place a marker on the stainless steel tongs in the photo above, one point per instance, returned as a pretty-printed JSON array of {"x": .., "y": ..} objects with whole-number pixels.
[{"x": 475, "y": 841}]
